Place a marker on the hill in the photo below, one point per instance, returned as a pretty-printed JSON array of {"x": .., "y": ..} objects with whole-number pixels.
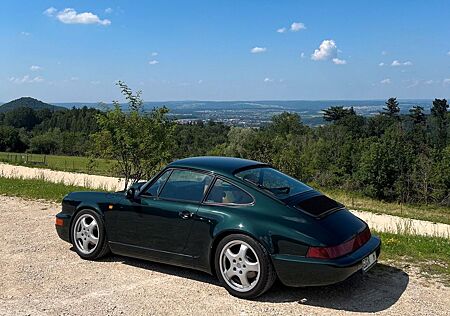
[{"x": 28, "y": 102}]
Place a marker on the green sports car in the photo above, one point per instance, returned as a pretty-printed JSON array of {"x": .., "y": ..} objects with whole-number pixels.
[{"x": 241, "y": 220}]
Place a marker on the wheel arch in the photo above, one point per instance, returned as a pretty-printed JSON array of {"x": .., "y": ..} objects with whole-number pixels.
[{"x": 222, "y": 234}]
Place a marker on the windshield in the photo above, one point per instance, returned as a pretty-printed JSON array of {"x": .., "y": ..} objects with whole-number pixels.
[{"x": 273, "y": 181}]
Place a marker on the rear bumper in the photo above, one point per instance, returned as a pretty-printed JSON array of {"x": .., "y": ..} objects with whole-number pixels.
[
  {"x": 64, "y": 230},
  {"x": 300, "y": 271}
]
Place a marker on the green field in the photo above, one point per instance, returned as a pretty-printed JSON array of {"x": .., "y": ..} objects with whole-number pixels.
[{"x": 61, "y": 163}]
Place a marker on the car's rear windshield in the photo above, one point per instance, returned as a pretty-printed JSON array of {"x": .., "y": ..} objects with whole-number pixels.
[{"x": 273, "y": 181}]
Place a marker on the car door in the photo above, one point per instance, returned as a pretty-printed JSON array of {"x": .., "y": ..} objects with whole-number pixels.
[{"x": 160, "y": 218}]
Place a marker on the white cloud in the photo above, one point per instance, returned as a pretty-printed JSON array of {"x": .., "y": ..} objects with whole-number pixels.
[
  {"x": 153, "y": 62},
  {"x": 26, "y": 79},
  {"x": 282, "y": 30},
  {"x": 95, "y": 82},
  {"x": 328, "y": 51},
  {"x": 381, "y": 64},
  {"x": 448, "y": 53},
  {"x": 446, "y": 81},
  {"x": 70, "y": 16},
  {"x": 384, "y": 53},
  {"x": 154, "y": 54},
  {"x": 200, "y": 81},
  {"x": 267, "y": 80},
  {"x": 74, "y": 78},
  {"x": 257, "y": 50},
  {"x": 108, "y": 10},
  {"x": 386, "y": 81},
  {"x": 428, "y": 82},
  {"x": 35, "y": 68},
  {"x": 25, "y": 33},
  {"x": 302, "y": 55},
  {"x": 50, "y": 11},
  {"x": 297, "y": 26},
  {"x": 397, "y": 63},
  {"x": 338, "y": 61}
]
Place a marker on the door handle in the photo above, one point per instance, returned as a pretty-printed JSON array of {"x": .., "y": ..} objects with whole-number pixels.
[{"x": 185, "y": 214}]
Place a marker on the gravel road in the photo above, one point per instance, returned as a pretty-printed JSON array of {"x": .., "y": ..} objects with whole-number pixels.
[{"x": 40, "y": 275}]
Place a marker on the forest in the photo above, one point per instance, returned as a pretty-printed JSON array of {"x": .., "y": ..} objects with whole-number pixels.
[{"x": 389, "y": 156}]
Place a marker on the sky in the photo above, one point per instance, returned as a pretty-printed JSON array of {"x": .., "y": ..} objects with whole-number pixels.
[{"x": 75, "y": 51}]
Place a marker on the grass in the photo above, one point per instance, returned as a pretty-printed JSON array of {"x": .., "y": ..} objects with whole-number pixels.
[
  {"x": 430, "y": 254},
  {"x": 36, "y": 189},
  {"x": 61, "y": 163},
  {"x": 352, "y": 200},
  {"x": 437, "y": 214}
]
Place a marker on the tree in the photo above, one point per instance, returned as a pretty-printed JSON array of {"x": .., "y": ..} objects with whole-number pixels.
[
  {"x": 417, "y": 115},
  {"x": 22, "y": 117},
  {"x": 10, "y": 139},
  {"x": 392, "y": 109},
  {"x": 336, "y": 113},
  {"x": 440, "y": 119},
  {"x": 139, "y": 142}
]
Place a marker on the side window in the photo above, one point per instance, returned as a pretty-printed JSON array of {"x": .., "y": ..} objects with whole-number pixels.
[
  {"x": 156, "y": 187},
  {"x": 226, "y": 193},
  {"x": 186, "y": 185}
]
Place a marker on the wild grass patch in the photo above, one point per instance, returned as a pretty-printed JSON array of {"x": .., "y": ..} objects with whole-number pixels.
[{"x": 37, "y": 188}]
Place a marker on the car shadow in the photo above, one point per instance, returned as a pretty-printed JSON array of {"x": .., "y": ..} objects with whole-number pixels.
[{"x": 374, "y": 291}]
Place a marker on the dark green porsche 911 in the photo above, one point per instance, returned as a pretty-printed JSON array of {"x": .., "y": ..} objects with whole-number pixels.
[{"x": 242, "y": 220}]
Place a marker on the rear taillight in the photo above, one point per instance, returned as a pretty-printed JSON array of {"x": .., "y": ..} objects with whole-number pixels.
[
  {"x": 342, "y": 249},
  {"x": 59, "y": 222}
]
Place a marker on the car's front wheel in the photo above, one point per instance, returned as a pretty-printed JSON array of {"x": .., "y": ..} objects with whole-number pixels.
[
  {"x": 88, "y": 235},
  {"x": 243, "y": 266}
]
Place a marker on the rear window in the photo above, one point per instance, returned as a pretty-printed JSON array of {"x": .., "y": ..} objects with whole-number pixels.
[{"x": 273, "y": 181}]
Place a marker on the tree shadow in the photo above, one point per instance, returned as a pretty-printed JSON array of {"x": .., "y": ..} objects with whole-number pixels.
[{"x": 374, "y": 291}]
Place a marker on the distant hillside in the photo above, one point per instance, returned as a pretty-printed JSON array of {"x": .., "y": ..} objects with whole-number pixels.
[{"x": 28, "y": 102}]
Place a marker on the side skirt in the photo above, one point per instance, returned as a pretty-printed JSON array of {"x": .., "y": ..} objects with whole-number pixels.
[{"x": 167, "y": 257}]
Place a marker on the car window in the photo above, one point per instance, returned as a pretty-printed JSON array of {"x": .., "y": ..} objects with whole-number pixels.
[
  {"x": 273, "y": 181},
  {"x": 186, "y": 185},
  {"x": 156, "y": 187},
  {"x": 226, "y": 193}
]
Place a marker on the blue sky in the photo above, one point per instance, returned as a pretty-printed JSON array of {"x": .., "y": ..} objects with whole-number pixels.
[{"x": 68, "y": 51}]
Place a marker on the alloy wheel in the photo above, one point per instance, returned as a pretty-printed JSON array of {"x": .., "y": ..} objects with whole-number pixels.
[
  {"x": 86, "y": 234},
  {"x": 239, "y": 265}
]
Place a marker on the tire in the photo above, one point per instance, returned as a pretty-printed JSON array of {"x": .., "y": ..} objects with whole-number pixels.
[
  {"x": 237, "y": 258},
  {"x": 88, "y": 235}
]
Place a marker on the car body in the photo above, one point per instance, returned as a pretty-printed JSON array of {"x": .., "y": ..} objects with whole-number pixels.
[{"x": 310, "y": 239}]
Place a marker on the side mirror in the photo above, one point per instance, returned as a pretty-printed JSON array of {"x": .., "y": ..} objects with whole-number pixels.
[{"x": 131, "y": 193}]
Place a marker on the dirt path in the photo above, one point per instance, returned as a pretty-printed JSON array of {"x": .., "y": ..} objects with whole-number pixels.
[
  {"x": 68, "y": 178},
  {"x": 380, "y": 222},
  {"x": 40, "y": 275}
]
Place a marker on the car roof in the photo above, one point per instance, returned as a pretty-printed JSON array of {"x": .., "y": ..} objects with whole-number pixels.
[{"x": 223, "y": 165}]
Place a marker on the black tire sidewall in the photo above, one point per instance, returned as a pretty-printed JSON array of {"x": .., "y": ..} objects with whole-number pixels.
[
  {"x": 265, "y": 265},
  {"x": 101, "y": 232}
]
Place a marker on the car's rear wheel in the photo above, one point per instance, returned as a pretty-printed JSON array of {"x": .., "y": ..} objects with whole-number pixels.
[
  {"x": 88, "y": 235},
  {"x": 243, "y": 266}
]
